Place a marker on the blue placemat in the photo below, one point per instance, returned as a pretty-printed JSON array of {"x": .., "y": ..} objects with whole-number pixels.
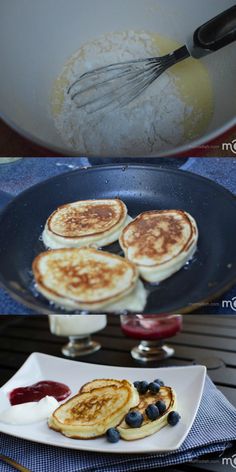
[
  {"x": 213, "y": 431},
  {"x": 22, "y": 174}
]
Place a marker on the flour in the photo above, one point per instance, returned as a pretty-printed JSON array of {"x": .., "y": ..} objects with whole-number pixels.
[{"x": 153, "y": 122}]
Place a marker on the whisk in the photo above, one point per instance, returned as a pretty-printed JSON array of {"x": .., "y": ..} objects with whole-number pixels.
[{"x": 117, "y": 85}]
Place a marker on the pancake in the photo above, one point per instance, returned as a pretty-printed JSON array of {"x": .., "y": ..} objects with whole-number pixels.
[
  {"x": 88, "y": 279},
  {"x": 160, "y": 243},
  {"x": 98, "y": 383},
  {"x": 95, "y": 223},
  {"x": 90, "y": 414},
  {"x": 149, "y": 427}
]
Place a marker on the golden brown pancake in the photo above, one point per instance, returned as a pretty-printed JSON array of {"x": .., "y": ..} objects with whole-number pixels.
[
  {"x": 94, "y": 223},
  {"x": 90, "y": 414},
  {"x": 84, "y": 278},
  {"x": 98, "y": 383},
  {"x": 160, "y": 242}
]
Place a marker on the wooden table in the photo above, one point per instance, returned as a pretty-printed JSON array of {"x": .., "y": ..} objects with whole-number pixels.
[{"x": 205, "y": 340}]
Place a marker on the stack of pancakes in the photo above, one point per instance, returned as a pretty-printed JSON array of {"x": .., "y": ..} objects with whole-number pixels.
[
  {"x": 76, "y": 275},
  {"x": 103, "y": 404}
]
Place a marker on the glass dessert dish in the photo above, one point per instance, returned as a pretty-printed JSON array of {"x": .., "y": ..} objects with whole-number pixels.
[
  {"x": 79, "y": 329},
  {"x": 151, "y": 330}
]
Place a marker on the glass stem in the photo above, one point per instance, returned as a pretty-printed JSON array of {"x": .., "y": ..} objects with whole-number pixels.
[{"x": 80, "y": 340}]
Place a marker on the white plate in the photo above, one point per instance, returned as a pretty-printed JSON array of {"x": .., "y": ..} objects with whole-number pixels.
[{"x": 188, "y": 383}]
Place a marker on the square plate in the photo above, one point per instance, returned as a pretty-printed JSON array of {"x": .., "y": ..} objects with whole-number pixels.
[{"x": 188, "y": 382}]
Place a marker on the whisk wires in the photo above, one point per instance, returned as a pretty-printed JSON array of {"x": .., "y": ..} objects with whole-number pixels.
[{"x": 119, "y": 84}]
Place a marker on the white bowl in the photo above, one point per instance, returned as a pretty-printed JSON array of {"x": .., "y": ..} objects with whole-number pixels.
[{"x": 37, "y": 37}]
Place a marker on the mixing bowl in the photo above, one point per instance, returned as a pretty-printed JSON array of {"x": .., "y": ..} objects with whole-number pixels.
[{"x": 37, "y": 38}]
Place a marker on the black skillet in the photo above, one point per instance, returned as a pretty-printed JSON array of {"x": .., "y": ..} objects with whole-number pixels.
[{"x": 141, "y": 187}]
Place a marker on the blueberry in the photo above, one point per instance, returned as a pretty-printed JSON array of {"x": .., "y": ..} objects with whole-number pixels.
[
  {"x": 143, "y": 387},
  {"x": 134, "y": 419},
  {"x": 173, "y": 418},
  {"x": 161, "y": 406},
  {"x": 154, "y": 387},
  {"x": 137, "y": 384},
  {"x": 152, "y": 412},
  {"x": 160, "y": 382},
  {"x": 113, "y": 435}
]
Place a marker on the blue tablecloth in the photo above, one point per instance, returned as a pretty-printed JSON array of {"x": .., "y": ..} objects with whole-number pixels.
[
  {"x": 14, "y": 178},
  {"x": 213, "y": 431}
]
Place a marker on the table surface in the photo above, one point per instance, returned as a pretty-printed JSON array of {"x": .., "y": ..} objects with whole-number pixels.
[
  {"x": 14, "y": 178},
  {"x": 207, "y": 340}
]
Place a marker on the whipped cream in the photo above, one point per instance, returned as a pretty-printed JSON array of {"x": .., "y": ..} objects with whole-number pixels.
[
  {"x": 30, "y": 412},
  {"x": 76, "y": 325}
]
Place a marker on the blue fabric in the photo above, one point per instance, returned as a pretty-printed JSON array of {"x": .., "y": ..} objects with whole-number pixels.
[
  {"x": 221, "y": 170},
  {"x": 213, "y": 431},
  {"x": 22, "y": 174}
]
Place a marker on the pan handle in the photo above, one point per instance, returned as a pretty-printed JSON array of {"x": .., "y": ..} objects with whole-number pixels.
[
  {"x": 215, "y": 34},
  {"x": 5, "y": 198}
]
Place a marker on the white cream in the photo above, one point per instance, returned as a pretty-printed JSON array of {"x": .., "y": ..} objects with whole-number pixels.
[
  {"x": 31, "y": 412},
  {"x": 76, "y": 325}
]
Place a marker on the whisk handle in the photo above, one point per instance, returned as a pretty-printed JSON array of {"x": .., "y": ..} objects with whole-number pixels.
[{"x": 215, "y": 34}]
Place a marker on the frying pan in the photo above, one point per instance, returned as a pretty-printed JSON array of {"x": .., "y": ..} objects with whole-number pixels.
[{"x": 142, "y": 188}]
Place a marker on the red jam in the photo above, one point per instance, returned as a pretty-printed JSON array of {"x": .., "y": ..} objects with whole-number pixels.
[
  {"x": 153, "y": 327},
  {"x": 34, "y": 393}
]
